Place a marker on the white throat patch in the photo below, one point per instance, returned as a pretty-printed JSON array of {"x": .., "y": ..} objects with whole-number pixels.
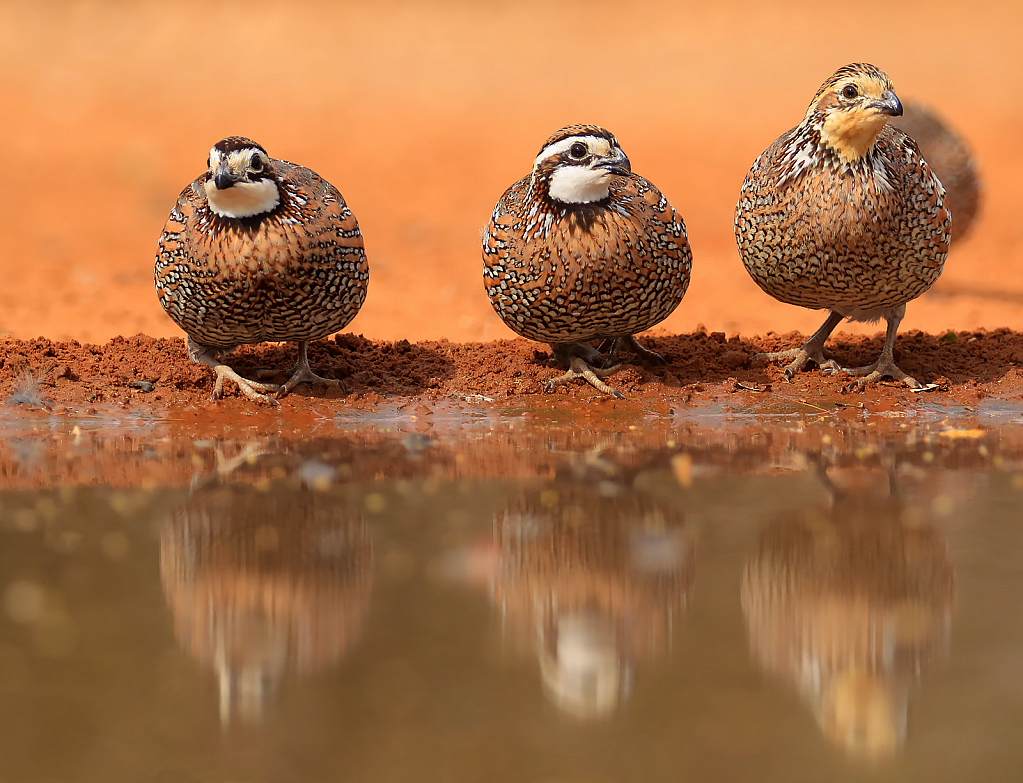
[
  {"x": 579, "y": 184},
  {"x": 243, "y": 199}
]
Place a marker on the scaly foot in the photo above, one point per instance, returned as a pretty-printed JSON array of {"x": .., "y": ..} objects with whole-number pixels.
[
  {"x": 883, "y": 367},
  {"x": 254, "y": 390},
  {"x": 578, "y": 368},
  {"x": 811, "y": 351},
  {"x": 210, "y": 356},
  {"x": 303, "y": 373},
  {"x": 799, "y": 357}
]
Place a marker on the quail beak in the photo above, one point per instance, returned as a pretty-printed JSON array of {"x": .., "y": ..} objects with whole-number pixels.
[
  {"x": 889, "y": 104},
  {"x": 224, "y": 179},
  {"x": 617, "y": 164}
]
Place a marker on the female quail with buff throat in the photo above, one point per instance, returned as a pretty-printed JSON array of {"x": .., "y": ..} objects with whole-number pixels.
[
  {"x": 842, "y": 213},
  {"x": 256, "y": 250},
  {"x": 582, "y": 249}
]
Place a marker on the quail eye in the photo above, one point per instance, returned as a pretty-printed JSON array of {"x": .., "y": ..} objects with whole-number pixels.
[
  {"x": 849, "y": 91},
  {"x": 578, "y": 150},
  {"x": 257, "y": 163}
]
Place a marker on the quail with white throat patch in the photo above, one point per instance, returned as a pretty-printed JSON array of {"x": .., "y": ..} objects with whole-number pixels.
[
  {"x": 583, "y": 249},
  {"x": 256, "y": 250},
  {"x": 843, "y": 213}
]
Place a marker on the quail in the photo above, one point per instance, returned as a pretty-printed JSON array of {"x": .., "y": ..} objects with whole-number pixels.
[
  {"x": 582, "y": 249},
  {"x": 259, "y": 249},
  {"x": 843, "y": 213},
  {"x": 949, "y": 158}
]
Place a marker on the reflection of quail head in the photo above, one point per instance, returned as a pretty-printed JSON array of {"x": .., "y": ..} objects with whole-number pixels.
[
  {"x": 949, "y": 158},
  {"x": 864, "y": 713},
  {"x": 264, "y": 583},
  {"x": 593, "y": 583},
  {"x": 581, "y": 665},
  {"x": 849, "y": 605}
]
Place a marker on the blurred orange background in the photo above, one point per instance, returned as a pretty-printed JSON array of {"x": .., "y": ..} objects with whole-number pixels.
[{"x": 423, "y": 113}]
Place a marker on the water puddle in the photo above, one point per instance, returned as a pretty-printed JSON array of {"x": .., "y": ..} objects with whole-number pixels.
[{"x": 454, "y": 593}]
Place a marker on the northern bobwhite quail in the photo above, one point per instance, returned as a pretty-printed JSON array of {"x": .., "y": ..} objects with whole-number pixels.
[
  {"x": 583, "y": 249},
  {"x": 259, "y": 249},
  {"x": 842, "y": 213},
  {"x": 949, "y": 158}
]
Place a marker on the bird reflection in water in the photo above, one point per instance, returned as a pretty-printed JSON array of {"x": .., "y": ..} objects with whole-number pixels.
[
  {"x": 850, "y": 604},
  {"x": 590, "y": 584},
  {"x": 264, "y": 583}
]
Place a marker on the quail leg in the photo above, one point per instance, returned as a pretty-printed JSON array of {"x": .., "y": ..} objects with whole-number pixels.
[
  {"x": 885, "y": 365},
  {"x": 811, "y": 351},
  {"x": 210, "y": 356},
  {"x": 303, "y": 373},
  {"x": 578, "y": 357},
  {"x": 632, "y": 343}
]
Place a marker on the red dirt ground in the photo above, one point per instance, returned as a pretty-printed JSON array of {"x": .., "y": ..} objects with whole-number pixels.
[
  {"x": 703, "y": 368},
  {"x": 442, "y": 410}
]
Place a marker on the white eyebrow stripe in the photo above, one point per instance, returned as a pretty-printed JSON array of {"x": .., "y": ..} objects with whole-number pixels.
[
  {"x": 563, "y": 146},
  {"x": 235, "y": 158}
]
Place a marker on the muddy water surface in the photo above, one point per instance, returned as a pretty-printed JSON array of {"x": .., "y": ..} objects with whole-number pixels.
[{"x": 465, "y": 594}]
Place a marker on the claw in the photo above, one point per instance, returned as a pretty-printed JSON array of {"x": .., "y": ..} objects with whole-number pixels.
[
  {"x": 811, "y": 351},
  {"x": 830, "y": 367},
  {"x": 883, "y": 367},
  {"x": 304, "y": 374},
  {"x": 210, "y": 356},
  {"x": 578, "y": 368},
  {"x": 254, "y": 390},
  {"x": 799, "y": 357}
]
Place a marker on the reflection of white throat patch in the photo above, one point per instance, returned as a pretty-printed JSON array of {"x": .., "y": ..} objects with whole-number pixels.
[
  {"x": 243, "y": 199},
  {"x": 579, "y": 184}
]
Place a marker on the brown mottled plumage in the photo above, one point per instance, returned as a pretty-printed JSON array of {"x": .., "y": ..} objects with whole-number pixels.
[
  {"x": 843, "y": 213},
  {"x": 949, "y": 158},
  {"x": 258, "y": 249},
  {"x": 582, "y": 249}
]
